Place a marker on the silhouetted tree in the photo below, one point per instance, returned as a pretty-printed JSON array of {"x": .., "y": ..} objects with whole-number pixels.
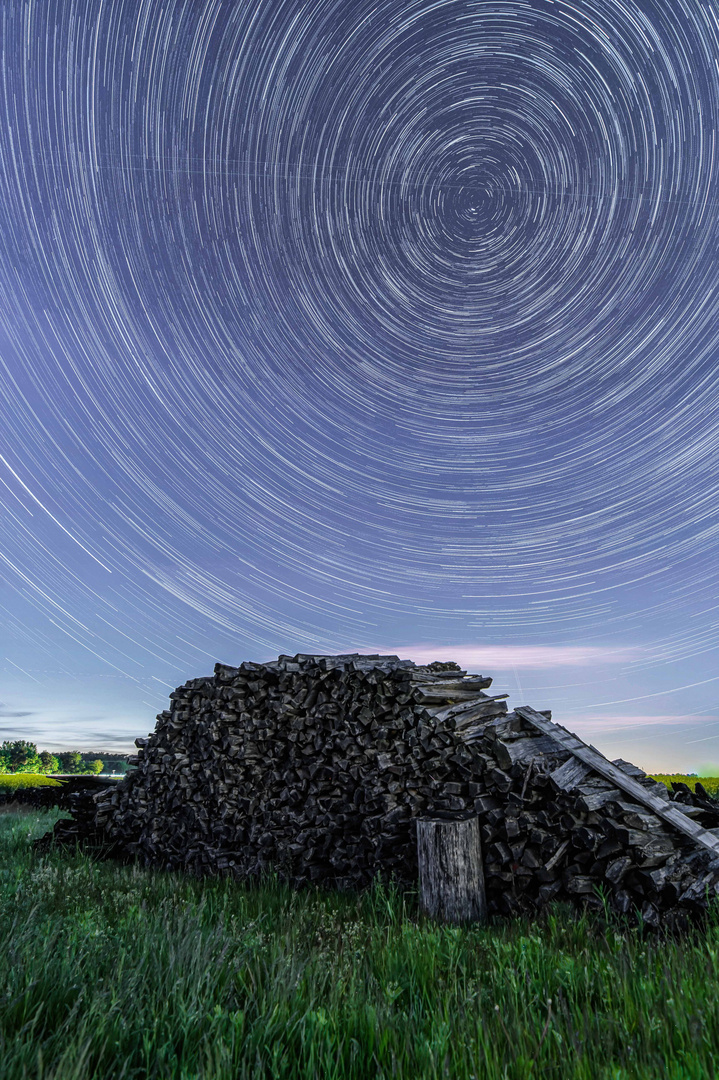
[{"x": 70, "y": 761}]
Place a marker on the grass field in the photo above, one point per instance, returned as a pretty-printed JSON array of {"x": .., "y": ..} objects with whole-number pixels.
[
  {"x": 22, "y": 780},
  {"x": 710, "y": 783},
  {"x": 18, "y": 781},
  {"x": 118, "y": 972}
]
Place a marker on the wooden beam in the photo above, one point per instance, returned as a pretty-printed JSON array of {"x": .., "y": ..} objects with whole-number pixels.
[
  {"x": 591, "y": 757},
  {"x": 459, "y": 690}
]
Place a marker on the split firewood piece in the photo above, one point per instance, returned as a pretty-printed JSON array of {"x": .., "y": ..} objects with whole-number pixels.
[
  {"x": 523, "y": 751},
  {"x": 468, "y": 711},
  {"x": 569, "y": 775},
  {"x": 557, "y": 855},
  {"x": 594, "y": 800}
]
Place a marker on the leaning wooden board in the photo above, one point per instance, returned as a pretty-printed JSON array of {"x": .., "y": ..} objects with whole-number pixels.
[{"x": 599, "y": 764}]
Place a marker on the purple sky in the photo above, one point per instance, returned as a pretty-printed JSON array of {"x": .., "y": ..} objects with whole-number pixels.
[{"x": 344, "y": 326}]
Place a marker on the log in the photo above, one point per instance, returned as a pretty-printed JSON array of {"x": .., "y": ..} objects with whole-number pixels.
[
  {"x": 523, "y": 751},
  {"x": 569, "y": 775},
  {"x": 451, "y": 877}
]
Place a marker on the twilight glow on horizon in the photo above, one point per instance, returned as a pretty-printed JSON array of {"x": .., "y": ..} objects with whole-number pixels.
[{"x": 341, "y": 326}]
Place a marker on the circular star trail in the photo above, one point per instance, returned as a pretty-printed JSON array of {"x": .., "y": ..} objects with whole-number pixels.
[{"x": 334, "y": 323}]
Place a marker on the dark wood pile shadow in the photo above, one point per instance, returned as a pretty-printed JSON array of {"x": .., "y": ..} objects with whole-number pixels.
[
  {"x": 63, "y": 797},
  {"x": 317, "y": 768}
]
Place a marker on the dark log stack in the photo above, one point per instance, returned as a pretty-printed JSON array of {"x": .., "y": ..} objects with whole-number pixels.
[
  {"x": 318, "y": 767},
  {"x": 63, "y": 796}
]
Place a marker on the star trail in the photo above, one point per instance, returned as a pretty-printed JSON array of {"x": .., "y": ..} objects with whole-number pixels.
[{"x": 342, "y": 325}]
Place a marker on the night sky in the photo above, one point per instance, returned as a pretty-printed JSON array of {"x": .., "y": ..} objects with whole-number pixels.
[{"x": 337, "y": 326}]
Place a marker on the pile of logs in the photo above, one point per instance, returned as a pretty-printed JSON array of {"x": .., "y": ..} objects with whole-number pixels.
[{"x": 318, "y": 767}]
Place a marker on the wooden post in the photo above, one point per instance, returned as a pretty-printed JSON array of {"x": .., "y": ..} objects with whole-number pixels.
[{"x": 451, "y": 879}]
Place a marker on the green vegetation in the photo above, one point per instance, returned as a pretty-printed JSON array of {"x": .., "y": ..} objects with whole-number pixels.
[
  {"x": 710, "y": 783},
  {"x": 70, "y": 761},
  {"x": 23, "y": 757},
  {"x": 74, "y": 762},
  {"x": 114, "y": 972},
  {"x": 27, "y": 780},
  {"x": 19, "y": 757},
  {"x": 48, "y": 762}
]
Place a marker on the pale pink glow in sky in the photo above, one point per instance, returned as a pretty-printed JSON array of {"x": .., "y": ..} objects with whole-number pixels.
[{"x": 511, "y": 657}]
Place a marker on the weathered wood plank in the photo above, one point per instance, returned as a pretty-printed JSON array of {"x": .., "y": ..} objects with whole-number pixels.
[
  {"x": 595, "y": 799},
  {"x": 468, "y": 711},
  {"x": 470, "y": 682},
  {"x": 591, "y": 757},
  {"x": 570, "y": 774},
  {"x": 522, "y": 751},
  {"x": 449, "y": 691},
  {"x": 451, "y": 877}
]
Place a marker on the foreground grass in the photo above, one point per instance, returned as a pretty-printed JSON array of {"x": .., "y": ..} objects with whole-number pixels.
[{"x": 115, "y": 972}]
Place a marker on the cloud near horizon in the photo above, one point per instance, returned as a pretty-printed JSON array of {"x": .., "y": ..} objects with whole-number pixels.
[{"x": 510, "y": 657}]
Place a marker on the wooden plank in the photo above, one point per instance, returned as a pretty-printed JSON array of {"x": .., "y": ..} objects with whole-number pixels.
[
  {"x": 418, "y": 677},
  {"x": 666, "y": 811},
  {"x": 467, "y": 711},
  {"x": 449, "y": 691}
]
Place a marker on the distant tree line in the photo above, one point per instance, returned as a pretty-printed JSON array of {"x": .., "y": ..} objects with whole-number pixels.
[{"x": 23, "y": 757}]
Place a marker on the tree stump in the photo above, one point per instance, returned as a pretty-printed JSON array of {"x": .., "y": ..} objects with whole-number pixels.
[{"x": 451, "y": 878}]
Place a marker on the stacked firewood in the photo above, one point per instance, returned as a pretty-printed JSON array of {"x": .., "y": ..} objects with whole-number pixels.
[
  {"x": 311, "y": 766},
  {"x": 558, "y": 830},
  {"x": 317, "y": 768}
]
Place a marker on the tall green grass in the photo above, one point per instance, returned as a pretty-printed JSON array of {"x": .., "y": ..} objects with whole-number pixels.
[{"x": 119, "y": 972}]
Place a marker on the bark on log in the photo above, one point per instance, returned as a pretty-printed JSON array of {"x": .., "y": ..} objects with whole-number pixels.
[{"x": 451, "y": 878}]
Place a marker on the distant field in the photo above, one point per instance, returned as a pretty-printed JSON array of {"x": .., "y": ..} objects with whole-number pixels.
[
  {"x": 27, "y": 780},
  {"x": 711, "y": 783},
  {"x": 120, "y": 973}
]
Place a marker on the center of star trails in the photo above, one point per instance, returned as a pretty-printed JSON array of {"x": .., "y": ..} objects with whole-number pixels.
[{"x": 477, "y": 210}]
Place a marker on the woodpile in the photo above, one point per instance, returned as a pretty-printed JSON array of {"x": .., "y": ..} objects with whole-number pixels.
[{"x": 318, "y": 767}]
